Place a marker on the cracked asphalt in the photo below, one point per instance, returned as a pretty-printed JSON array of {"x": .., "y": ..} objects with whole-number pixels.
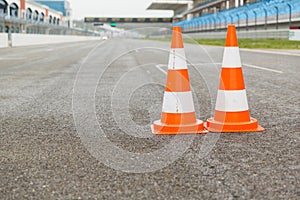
[{"x": 75, "y": 124}]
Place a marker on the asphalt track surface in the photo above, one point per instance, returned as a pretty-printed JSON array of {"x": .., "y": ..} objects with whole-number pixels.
[{"x": 75, "y": 124}]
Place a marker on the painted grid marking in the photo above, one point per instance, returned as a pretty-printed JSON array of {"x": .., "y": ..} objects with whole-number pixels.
[{"x": 159, "y": 67}]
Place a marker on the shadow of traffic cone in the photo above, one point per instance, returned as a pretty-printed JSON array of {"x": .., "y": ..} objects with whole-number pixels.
[
  {"x": 178, "y": 112},
  {"x": 232, "y": 112}
]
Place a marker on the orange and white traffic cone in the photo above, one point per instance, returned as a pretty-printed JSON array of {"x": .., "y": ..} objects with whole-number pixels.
[
  {"x": 178, "y": 112},
  {"x": 232, "y": 112}
]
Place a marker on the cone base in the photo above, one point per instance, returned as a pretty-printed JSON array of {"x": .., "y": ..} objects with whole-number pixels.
[
  {"x": 159, "y": 128},
  {"x": 221, "y": 127}
]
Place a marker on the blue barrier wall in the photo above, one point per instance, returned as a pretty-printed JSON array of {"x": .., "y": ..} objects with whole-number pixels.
[{"x": 259, "y": 13}]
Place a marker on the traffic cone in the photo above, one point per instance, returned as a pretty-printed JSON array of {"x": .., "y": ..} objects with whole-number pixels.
[
  {"x": 232, "y": 112},
  {"x": 178, "y": 112}
]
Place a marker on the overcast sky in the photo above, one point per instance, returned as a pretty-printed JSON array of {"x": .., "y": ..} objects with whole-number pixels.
[{"x": 114, "y": 8}]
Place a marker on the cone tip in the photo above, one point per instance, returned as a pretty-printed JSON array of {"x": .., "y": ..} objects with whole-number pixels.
[
  {"x": 231, "y": 26},
  {"x": 177, "y": 41},
  {"x": 231, "y": 38},
  {"x": 177, "y": 29}
]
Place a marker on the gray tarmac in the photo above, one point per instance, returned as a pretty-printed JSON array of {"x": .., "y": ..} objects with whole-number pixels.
[{"x": 75, "y": 124}]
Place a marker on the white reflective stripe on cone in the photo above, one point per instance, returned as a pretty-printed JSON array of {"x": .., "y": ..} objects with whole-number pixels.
[
  {"x": 177, "y": 59},
  {"x": 231, "y": 58},
  {"x": 178, "y": 102},
  {"x": 232, "y": 101}
]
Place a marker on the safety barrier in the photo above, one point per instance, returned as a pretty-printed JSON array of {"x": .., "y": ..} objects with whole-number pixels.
[
  {"x": 258, "y": 34},
  {"x": 294, "y": 35},
  {"x": 3, "y": 40},
  {"x": 34, "y": 39}
]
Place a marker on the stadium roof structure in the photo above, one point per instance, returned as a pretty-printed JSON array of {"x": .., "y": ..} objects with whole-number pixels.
[
  {"x": 168, "y": 4},
  {"x": 204, "y": 5}
]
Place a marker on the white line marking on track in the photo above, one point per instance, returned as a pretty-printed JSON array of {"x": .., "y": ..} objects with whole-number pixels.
[
  {"x": 246, "y": 65},
  {"x": 160, "y": 69},
  {"x": 263, "y": 68},
  {"x": 272, "y": 52},
  {"x": 195, "y": 64},
  {"x": 295, "y": 167}
]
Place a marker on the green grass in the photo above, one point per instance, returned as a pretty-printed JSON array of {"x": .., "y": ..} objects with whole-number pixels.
[
  {"x": 248, "y": 43},
  {"x": 255, "y": 43}
]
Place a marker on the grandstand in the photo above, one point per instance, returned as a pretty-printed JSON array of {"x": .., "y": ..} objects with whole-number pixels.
[
  {"x": 38, "y": 17},
  {"x": 212, "y": 15},
  {"x": 62, "y": 6},
  {"x": 29, "y": 17}
]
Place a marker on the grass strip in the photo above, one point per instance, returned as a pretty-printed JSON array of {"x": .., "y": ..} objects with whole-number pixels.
[
  {"x": 255, "y": 43},
  {"x": 247, "y": 43}
]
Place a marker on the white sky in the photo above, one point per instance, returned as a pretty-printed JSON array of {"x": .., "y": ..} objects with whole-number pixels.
[{"x": 115, "y": 8}]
